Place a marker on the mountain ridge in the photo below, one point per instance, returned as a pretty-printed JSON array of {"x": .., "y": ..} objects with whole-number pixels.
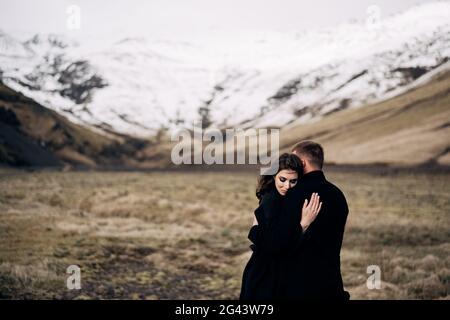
[{"x": 139, "y": 86}]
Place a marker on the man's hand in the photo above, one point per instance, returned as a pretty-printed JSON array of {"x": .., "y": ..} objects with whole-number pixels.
[{"x": 310, "y": 211}]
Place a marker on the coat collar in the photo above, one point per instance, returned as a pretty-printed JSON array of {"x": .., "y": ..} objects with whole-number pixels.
[{"x": 314, "y": 175}]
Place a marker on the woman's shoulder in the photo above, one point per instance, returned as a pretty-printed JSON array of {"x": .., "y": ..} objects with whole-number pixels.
[
  {"x": 268, "y": 202},
  {"x": 270, "y": 196}
]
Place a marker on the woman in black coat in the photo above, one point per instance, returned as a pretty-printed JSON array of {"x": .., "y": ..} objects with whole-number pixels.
[{"x": 275, "y": 238}]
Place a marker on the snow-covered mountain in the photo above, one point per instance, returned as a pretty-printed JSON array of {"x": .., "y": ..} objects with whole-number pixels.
[{"x": 249, "y": 78}]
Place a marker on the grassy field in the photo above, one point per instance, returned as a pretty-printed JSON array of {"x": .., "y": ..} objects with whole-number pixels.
[{"x": 184, "y": 235}]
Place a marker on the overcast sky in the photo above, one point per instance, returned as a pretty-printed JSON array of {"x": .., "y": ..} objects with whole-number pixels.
[{"x": 175, "y": 17}]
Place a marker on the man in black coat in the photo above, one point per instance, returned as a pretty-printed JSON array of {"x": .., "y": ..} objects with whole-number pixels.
[{"x": 313, "y": 271}]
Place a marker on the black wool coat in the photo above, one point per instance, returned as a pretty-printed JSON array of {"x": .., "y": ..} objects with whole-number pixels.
[{"x": 287, "y": 263}]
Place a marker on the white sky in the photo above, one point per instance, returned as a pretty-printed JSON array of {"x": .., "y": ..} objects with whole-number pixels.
[{"x": 167, "y": 18}]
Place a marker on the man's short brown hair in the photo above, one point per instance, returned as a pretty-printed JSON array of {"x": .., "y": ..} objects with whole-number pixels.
[{"x": 310, "y": 150}]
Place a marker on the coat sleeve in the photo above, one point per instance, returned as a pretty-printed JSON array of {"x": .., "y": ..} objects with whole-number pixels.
[
  {"x": 253, "y": 236},
  {"x": 278, "y": 230},
  {"x": 292, "y": 209}
]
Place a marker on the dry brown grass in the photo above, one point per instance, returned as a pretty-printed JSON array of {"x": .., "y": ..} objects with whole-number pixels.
[{"x": 183, "y": 235}]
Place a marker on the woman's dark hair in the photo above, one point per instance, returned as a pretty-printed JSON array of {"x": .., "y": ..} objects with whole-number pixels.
[{"x": 287, "y": 161}]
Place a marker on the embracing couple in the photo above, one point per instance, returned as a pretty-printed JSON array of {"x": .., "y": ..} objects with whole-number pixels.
[{"x": 297, "y": 232}]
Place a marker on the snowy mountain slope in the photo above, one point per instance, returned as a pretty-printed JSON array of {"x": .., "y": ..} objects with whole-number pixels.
[
  {"x": 410, "y": 129},
  {"x": 249, "y": 78}
]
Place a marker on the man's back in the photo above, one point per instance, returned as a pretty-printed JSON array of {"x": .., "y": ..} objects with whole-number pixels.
[{"x": 316, "y": 261}]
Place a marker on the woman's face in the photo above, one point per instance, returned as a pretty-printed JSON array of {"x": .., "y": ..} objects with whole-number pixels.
[{"x": 285, "y": 179}]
